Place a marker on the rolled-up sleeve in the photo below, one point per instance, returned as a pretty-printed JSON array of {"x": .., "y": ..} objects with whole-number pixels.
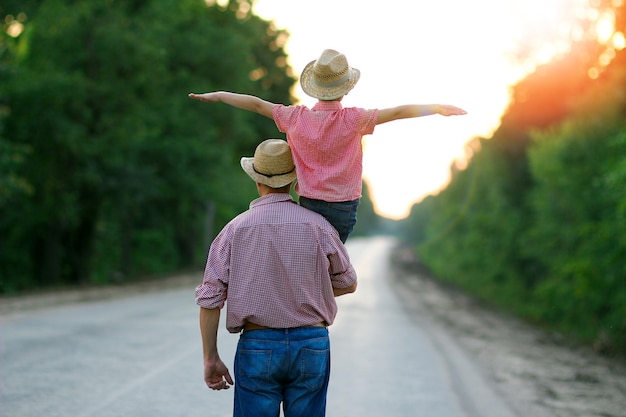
[
  {"x": 342, "y": 273},
  {"x": 213, "y": 291}
]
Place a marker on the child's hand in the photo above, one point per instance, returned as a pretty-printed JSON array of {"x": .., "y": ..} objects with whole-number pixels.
[
  {"x": 208, "y": 97},
  {"x": 447, "y": 110}
]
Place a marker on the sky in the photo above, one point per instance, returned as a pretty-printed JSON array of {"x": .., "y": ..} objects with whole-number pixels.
[{"x": 455, "y": 52}]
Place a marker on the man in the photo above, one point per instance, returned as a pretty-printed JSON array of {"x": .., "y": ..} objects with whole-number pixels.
[{"x": 278, "y": 267}]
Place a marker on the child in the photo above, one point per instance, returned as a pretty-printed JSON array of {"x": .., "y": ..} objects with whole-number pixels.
[{"x": 326, "y": 139}]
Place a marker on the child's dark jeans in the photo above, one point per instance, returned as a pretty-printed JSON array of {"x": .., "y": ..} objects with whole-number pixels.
[{"x": 342, "y": 215}]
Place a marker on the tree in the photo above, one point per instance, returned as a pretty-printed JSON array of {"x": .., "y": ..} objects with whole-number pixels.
[
  {"x": 367, "y": 221},
  {"x": 120, "y": 162}
]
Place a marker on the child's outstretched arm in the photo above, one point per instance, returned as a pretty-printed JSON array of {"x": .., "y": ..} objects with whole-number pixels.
[
  {"x": 417, "y": 110},
  {"x": 241, "y": 101}
]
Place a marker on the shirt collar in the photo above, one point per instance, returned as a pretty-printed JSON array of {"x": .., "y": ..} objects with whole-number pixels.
[
  {"x": 327, "y": 105},
  {"x": 270, "y": 199}
]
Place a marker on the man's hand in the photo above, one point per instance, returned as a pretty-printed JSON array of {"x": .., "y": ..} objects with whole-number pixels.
[
  {"x": 447, "y": 110},
  {"x": 208, "y": 97},
  {"x": 216, "y": 375}
]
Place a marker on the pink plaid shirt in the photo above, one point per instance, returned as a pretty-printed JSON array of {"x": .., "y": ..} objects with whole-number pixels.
[
  {"x": 275, "y": 265},
  {"x": 326, "y": 146}
]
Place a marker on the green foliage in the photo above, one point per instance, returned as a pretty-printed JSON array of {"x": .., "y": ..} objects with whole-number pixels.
[
  {"x": 475, "y": 223},
  {"x": 110, "y": 167},
  {"x": 12, "y": 184},
  {"x": 368, "y": 221},
  {"x": 576, "y": 206},
  {"x": 536, "y": 223}
]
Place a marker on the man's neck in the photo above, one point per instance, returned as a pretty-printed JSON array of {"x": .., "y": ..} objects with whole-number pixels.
[{"x": 265, "y": 190}]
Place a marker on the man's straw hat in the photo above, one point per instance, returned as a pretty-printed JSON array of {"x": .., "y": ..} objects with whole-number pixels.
[
  {"x": 272, "y": 164},
  {"x": 329, "y": 77}
]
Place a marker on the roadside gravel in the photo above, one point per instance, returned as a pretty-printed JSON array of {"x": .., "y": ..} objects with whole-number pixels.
[
  {"x": 537, "y": 373},
  {"x": 27, "y": 303}
]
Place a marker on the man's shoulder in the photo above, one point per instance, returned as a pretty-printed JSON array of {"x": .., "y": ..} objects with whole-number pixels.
[
  {"x": 315, "y": 219},
  {"x": 286, "y": 214},
  {"x": 291, "y": 211}
]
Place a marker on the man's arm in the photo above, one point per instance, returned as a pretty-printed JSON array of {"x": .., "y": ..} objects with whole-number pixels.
[
  {"x": 341, "y": 270},
  {"x": 216, "y": 375},
  {"x": 341, "y": 291},
  {"x": 417, "y": 110},
  {"x": 241, "y": 101}
]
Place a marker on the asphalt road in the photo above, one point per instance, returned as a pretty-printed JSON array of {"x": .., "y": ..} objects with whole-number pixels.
[{"x": 140, "y": 355}]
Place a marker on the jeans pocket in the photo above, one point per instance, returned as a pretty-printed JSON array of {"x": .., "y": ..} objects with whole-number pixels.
[
  {"x": 314, "y": 368},
  {"x": 254, "y": 368}
]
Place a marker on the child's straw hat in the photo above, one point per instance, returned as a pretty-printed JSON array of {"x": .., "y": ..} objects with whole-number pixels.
[{"x": 329, "y": 77}]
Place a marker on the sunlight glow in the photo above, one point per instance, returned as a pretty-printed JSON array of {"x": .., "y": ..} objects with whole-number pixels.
[
  {"x": 606, "y": 57},
  {"x": 419, "y": 52},
  {"x": 605, "y": 27},
  {"x": 15, "y": 27},
  {"x": 619, "y": 42},
  {"x": 221, "y": 3}
]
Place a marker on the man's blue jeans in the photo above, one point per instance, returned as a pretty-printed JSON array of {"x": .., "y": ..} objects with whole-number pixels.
[
  {"x": 291, "y": 366},
  {"x": 341, "y": 215}
]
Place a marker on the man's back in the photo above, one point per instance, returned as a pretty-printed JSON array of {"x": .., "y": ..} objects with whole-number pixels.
[{"x": 281, "y": 262}]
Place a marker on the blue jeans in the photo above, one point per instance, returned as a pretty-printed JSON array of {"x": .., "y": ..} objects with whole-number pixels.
[
  {"x": 341, "y": 215},
  {"x": 291, "y": 366}
]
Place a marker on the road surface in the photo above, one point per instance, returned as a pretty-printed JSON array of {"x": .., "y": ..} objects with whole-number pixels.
[{"x": 139, "y": 355}]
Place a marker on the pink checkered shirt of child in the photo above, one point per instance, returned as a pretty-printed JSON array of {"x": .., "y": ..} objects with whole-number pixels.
[
  {"x": 275, "y": 265},
  {"x": 326, "y": 146}
]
